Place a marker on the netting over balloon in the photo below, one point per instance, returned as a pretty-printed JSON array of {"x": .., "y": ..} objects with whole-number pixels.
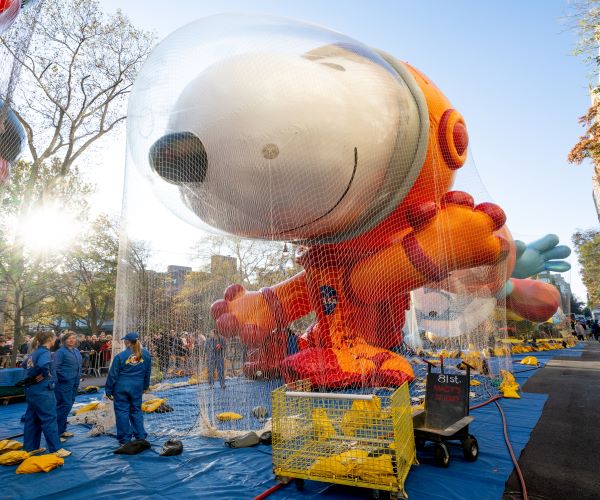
[
  {"x": 290, "y": 190},
  {"x": 16, "y": 36},
  {"x": 12, "y": 55}
]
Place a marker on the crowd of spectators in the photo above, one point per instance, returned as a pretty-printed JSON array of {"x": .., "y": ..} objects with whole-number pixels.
[
  {"x": 96, "y": 351},
  {"x": 585, "y": 329}
]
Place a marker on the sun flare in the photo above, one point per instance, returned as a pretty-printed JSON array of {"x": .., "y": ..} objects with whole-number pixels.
[{"x": 48, "y": 229}]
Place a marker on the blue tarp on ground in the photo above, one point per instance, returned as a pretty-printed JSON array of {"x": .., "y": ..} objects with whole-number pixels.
[
  {"x": 207, "y": 469},
  {"x": 523, "y": 372},
  {"x": 10, "y": 376}
]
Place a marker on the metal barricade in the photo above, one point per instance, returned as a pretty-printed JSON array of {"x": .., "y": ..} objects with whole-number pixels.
[{"x": 99, "y": 363}]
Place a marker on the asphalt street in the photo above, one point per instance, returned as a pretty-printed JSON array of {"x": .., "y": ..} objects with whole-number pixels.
[{"x": 562, "y": 458}]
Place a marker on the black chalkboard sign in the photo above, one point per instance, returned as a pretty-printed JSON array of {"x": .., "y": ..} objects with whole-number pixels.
[{"x": 446, "y": 399}]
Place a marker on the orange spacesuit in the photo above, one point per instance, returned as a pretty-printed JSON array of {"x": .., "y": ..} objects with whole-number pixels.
[{"x": 359, "y": 288}]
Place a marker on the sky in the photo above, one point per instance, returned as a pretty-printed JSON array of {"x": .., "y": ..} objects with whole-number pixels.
[{"x": 506, "y": 66}]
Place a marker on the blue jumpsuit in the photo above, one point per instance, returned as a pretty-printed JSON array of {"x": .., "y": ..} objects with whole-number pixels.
[
  {"x": 215, "y": 349},
  {"x": 41, "y": 403},
  {"x": 67, "y": 371},
  {"x": 127, "y": 379}
]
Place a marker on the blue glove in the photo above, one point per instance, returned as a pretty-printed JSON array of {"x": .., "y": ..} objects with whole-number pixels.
[
  {"x": 539, "y": 256},
  {"x": 506, "y": 290}
]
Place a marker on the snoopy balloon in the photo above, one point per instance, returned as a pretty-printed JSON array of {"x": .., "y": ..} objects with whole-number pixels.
[{"x": 279, "y": 130}]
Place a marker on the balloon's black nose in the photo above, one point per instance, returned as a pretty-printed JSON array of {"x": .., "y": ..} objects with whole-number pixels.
[{"x": 179, "y": 157}]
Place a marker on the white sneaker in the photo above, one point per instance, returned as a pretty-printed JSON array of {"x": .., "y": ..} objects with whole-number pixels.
[
  {"x": 62, "y": 453},
  {"x": 67, "y": 434}
]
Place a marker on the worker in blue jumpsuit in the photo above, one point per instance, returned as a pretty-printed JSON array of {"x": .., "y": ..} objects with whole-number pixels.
[
  {"x": 40, "y": 416},
  {"x": 128, "y": 378},
  {"x": 215, "y": 358},
  {"x": 67, "y": 371}
]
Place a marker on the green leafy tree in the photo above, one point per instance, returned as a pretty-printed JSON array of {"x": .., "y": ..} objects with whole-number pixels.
[
  {"x": 587, "y": 246},
  {"x": 90, "y": 275}
]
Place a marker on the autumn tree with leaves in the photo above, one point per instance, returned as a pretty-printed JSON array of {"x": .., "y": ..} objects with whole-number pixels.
[
  {"x": 587, "y": 245},
  {"x": 585, "y": 17}
]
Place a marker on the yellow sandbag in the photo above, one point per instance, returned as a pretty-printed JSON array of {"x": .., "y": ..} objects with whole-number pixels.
[
  {"x": 343, "y": 464},
  {"x": 9, "y": 445},
  {"x": 509, "y": 385},
  {"x": 13, "y": 457},
  {"x": 152, "y": 404},
  {"x": 511, "y": 393},
  {"x": 473, "y": 358},
  {"x": 94, "y": 405},
  {"x": 322, "y": 426},
  {"x": 416, "y": 408},
  {"x": 361, "y": 414},
  {"x": 229, "y": 415},
  {"x": 474, "y": 382},
  {"x": 508, "y": 379},
  {"x": 529, "y": 360},
  {"x": 500, "y": 351},
  {"x": 43, "y": 463},
  {"x": 329, "y": 466},
  {"x": 355, "y": 463},
  {"x": 377, "y": 469}
]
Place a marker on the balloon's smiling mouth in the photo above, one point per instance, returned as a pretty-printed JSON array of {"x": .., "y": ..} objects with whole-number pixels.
[{"x": 336, "y": 203}]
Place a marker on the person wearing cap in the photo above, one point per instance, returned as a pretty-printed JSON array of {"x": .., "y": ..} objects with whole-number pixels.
[
  {"x": 128, "y": 378},
  {"x": 67, "y": 372}
]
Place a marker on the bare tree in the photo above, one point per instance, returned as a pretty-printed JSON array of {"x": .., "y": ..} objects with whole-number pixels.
[
  {"x": 76, "y": 76},
  {"x": 259, "y": 263}
]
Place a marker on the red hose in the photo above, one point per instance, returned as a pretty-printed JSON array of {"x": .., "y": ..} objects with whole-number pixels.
[
  {"x": 266, "y": 493},
  {"x": 491, "y": 400},
  {"x": 512, "y": 455},
  {"x": 495, "y": 399}
]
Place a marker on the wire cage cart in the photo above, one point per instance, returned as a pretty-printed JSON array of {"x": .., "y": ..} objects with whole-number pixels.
[
  {"x": 446, "y": 416},
  {"x": 363, "y": 440}
]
